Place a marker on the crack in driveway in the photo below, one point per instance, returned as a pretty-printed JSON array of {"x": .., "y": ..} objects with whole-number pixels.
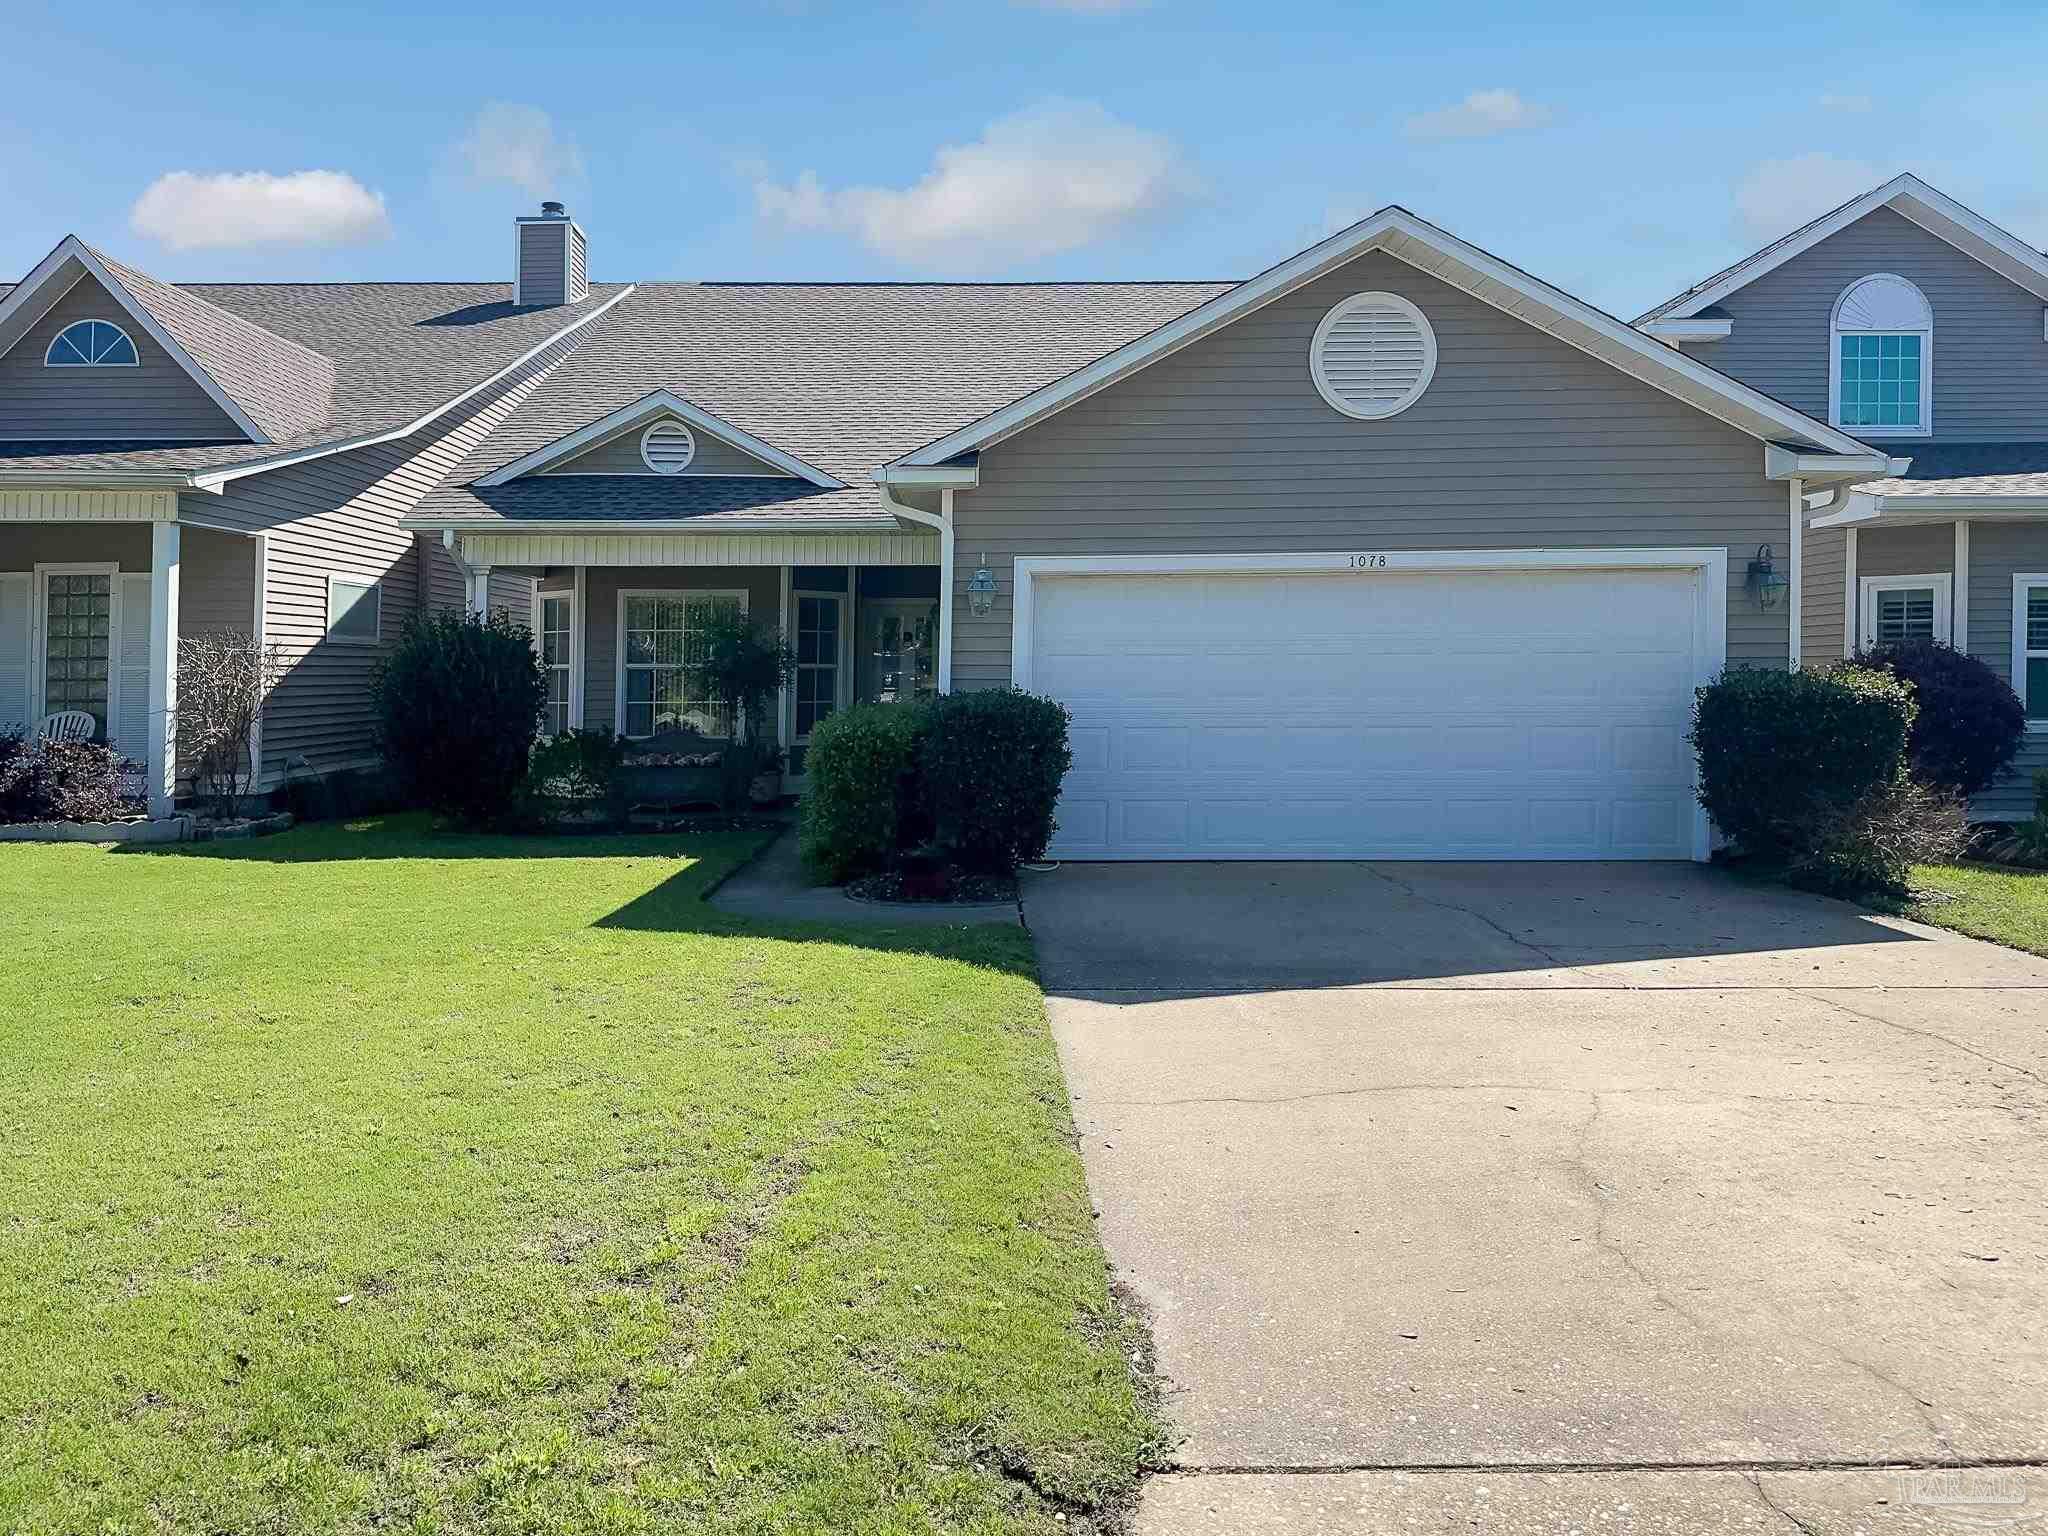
[{"x": 1924, "y": 1034}]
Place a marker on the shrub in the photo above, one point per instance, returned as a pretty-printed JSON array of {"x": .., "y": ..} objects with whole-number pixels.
[
  {"x": 457, "y": 703},
  {"x": 742, "y": 663},
  {"x": 224, "y": 677},
  {"x": 990, "y": 768},
  {"x": 1970, "y": 724},
  {"x": 2030, "y": 837},
  {"x": 1779, "y": 752},
  {"x": 1872, "y": 843},
  {"x": 863, "y": 803},
  {"x": 578, "y": 768},
  {"x": 62, "y": 781}
]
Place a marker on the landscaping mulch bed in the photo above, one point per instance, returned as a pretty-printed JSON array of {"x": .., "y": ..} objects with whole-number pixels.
[{"x": 964, "y": 890}]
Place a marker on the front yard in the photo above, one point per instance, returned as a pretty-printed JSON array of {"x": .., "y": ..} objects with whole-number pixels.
[
  {"x": 2007, "y": 906},
  {"x": 368, "y": 1178}
]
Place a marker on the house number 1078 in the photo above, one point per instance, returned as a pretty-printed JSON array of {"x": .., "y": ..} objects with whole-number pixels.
[{"x": 1368, "y": 562}]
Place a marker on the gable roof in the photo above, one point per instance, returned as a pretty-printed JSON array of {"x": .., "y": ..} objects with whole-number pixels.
[
  {"x": 1442, "y": 255},
  {"x": 1907, "y": 195},
  {"x": 659, "y": 404}
]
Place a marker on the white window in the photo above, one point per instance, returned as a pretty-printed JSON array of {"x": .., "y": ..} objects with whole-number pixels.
[
  {"x": 658, "y": 633},
  {"x": 2030, "y": 645},
  {"x": 551, "y": 638},
  {"x": 1373, "y": 356},
  {"x": 818, "y": 619},
  {"x": 667, "y": 447},
  {"x": 355, "y": 611},
  {"x": 1897, "y": 608},
  {"x": 91, "y": 344},
  {"x": 1881, "y": 359}
]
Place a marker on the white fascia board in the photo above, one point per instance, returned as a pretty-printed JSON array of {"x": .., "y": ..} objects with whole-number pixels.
[
  {"x": 1906, "y": 511},
  {"x": 1782, "y": 463},
  {"x": 214, "y": 479},
  {"x": 958, "y": 477},
  {"x": 1689, "y": 330},
  {"x": 450, "y": 526},
  {"x": 71, "y": 248},
  {"x": 100, "y": 480},
  {"x": 662, "y": 403},
  {"x": 1372, "y": 233}
]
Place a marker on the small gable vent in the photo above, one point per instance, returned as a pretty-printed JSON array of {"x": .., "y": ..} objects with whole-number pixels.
[
  {"x": 1373, "y": 356},
  {"x": 667, "y": 447}
]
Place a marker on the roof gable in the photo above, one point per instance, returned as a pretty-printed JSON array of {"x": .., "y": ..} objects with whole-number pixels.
[
  {"x": 644, "y": 412},
  {"x": 1442, "y": 255},
  {"x": 1907, "y": 195}
]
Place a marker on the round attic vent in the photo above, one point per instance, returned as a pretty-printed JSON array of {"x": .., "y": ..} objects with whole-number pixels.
[
  {"x": 667, "y": 447},
  {"x": 1373, "y": 356}
]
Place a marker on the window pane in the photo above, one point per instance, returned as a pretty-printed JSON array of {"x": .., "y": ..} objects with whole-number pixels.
[
  {"x": 1905, "y": 614},
  {"x": 2037, "y": 687},
  {"x": 352, "y": 610},
  {"x": 2037, "y": 618}
]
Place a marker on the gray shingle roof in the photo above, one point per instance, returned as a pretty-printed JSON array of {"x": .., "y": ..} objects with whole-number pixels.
[
  {"x": 1970, "y": 469},
  {"x": 642, "y": 498}
]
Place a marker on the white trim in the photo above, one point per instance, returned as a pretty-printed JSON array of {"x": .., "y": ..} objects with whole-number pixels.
[
  {"x": 165, "y": 540},
  {"x": 659, "y": 401},
  {"x": 1836, "y": 331},
  {"x": 258, "y": 628},
  {"x": 1868, "y": 587},
  {"x": 785, "y": 700},
  {"x": 71, "y": 248},
  {"x": 1781, "y": 463},
  {"x": 1276, "y": 282},
  {"x": 579, "y": 592},
  {"x": 870, "y": 523},
  {"x": 842, "y": 663},
  {"x": 1709, "y": 618},
  {"x": 2021, "y": 582},
  {"x": 1959, "y": 605},
  {"x": 961, "y": 477},
  {"x": 38, "y": 616},
  {"x": 571, "y": 546},
  {"x": 619, "y": 643},
  {"x": 214, "y": 479},
  {"x": 1795, "y": 577},
  {"x": 133, "y": 351},
  {"x": 376, "y": 588},
  {"x": 1908, "y": 196},
  {"x": 1689, "y": 329},
  {"x": 668, "y": 426},
  {"x": 1327, "y": 388},
  {"x": 1850, "y": 616},
  {"x": 541, "y": 598},
  {"x": 1905, "y": 511}
]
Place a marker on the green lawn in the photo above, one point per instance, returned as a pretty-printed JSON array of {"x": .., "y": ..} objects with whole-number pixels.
[
  {"x": 2007, "y": 906},
  {"x": 370, "y": 1178}
]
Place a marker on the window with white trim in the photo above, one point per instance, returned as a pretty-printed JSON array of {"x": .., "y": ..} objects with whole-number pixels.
[
  {"x": 551, "y": 636},
  {"x": 91, "y": 344},
  {"x": 354, "y": 611},
  {"x": 1881, "y": 359},
  {"x": 2030, "y": 646},
  {"x": 1900, "y": 608},
  {"x": 659, "y": 634}
]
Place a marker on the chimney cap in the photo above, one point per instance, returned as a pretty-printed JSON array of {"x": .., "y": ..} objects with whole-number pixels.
[{"x": 553, "y": 210}]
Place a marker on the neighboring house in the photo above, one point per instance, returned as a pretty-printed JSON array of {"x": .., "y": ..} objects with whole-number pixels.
[
  {"x": 1392, "y": 550},
  {"x": 1910, "y": 321}
]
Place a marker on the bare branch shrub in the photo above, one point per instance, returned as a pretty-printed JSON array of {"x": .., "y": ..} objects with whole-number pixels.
[
  {"x": 224, "y": 677},
  {"x": 1872, "y": 843}
]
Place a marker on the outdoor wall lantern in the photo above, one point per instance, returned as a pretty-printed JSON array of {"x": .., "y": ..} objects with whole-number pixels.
[
  {"x": 981, "y": 590},
  {"x": 1765, "y": 580}
]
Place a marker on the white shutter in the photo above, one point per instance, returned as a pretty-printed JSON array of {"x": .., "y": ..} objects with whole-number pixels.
[
  {"x": 128, "y": 689},
  {"x": 16, "y": 592}
]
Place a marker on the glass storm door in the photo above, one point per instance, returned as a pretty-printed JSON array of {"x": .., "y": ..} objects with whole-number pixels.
[
  {"x": 898, "y": 649},
  {"x": 78, "y": 634}
]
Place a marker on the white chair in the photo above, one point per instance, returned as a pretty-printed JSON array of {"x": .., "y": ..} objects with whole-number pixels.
[{"x": 67, "y": 725}]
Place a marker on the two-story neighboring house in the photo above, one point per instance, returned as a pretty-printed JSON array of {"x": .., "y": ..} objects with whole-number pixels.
[{"x": 1922, "y": 328}]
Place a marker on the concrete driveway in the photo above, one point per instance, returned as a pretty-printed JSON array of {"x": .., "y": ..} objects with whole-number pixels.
[{"x": 1505, "y": 1197}]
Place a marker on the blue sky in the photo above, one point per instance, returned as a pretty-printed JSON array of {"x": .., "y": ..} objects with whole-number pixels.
[{"x": 1616, "y": 151}]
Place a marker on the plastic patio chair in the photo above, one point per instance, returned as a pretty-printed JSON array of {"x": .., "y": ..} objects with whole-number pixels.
[{"x": 67, "y": 725}]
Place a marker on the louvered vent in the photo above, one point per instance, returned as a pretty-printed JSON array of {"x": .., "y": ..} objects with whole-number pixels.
[
  {"x": 1373, "y": 356},
  {"x": 667, "y": 447}
]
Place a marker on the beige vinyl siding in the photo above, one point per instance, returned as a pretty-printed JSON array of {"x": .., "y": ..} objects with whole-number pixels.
[
  {"x": 156, "y": 400},
  {"x": 1825, "y": 560},
  {"x": 621, "y": 456},
  {"x": 1999, "y": 551},
  {"x": 541, "y": 262},
  {"x": 1990, "y": 361},
  {"x": 1519, "y": 442},
  {"x": 602, "y": 586},
  {"x": 339, "y": 516},
  {"x": 512, "y": 591},
  {"x": 24, "y": 546},
  {"x": 216, "y": 581},
  {"x": 1929, "y": 549}
]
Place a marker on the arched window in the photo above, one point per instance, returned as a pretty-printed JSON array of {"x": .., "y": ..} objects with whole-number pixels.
[
  {"x": 91, "y": 344},
  {"x": 1881, "y": 359}
]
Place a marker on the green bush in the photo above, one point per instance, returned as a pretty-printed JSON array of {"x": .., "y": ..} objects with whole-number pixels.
[
  {"x": 863, "y": 802},
  {"x": 1781, "y": 752},
  {"x": 458, "y": 703},
  {"x": 578, "y": 770},
  {"x": 990, "y": 768},
  {"x": 1969, "y": 724}
]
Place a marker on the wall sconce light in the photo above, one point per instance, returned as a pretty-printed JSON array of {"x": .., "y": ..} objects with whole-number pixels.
[
  {"x": 1765, "y": 580},
  {"x": 981, "y": 590}
]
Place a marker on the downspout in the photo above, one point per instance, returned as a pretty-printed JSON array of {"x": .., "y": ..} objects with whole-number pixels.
[
  {"x": 1795, "y": 559},
  {"x": 942, "y": 520}
]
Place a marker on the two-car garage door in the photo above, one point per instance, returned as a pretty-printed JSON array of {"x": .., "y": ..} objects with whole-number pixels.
[{"x": 1374, "y": 711}]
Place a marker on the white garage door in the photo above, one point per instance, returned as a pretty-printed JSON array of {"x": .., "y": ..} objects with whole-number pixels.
[{"x": 1428, "y": 713}]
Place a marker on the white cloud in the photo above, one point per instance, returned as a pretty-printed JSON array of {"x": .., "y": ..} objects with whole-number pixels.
[
  {"x": 1839, "y": 101},
  {"x": 516, "y": 144},
  {"x": 188, "y": 211},
  {"x": 1480, "y": 115},
  {"x": 1052, "y": 178},
  {"x": 1779, "y": 195}
]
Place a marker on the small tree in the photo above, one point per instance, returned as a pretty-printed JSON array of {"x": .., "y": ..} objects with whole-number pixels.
[
  {"x": 458, "y": 703},
  {"x": 224, "y": 677},
  {"x": 1968, "y": 724},
  {"x": 742, "y": 663}
]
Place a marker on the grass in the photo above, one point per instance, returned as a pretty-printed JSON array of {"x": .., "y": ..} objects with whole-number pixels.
[
  {"x": 2005, "y": 905},
  {"x": 365, "y": 1177}
]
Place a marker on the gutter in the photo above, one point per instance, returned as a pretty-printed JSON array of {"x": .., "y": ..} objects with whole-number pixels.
[
  {"x": 116, "y": 480},
  {"x": 1782, "y": 463},
  {"x": 872, "y": 523},
  {"x": 942, "y": 520}
]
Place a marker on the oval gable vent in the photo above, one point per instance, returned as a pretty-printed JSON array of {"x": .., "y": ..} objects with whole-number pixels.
[
  {"x": 667, "y": 447},
  {"x": 1373, "y": 356}
]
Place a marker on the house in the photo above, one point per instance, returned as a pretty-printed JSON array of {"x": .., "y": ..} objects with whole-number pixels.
[
  {"x": 1917, "y": 325},
  {"x": 1393, "y": 550}
]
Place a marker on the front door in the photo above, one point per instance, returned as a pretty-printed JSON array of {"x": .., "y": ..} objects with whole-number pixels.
[
  {"x": 898, "y": 649},
  {"x": 74, "y": 647},
  {"x": 820, "y": 666}
]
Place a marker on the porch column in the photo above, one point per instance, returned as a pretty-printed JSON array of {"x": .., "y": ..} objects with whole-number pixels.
[
  {"x": 785, "y": 718},
  {"x": 1959, "y": 599},
  {"x": 162, "y": 750},
  {"x": 480, "y": 590},
  {"x": 579, "y": 623}
]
